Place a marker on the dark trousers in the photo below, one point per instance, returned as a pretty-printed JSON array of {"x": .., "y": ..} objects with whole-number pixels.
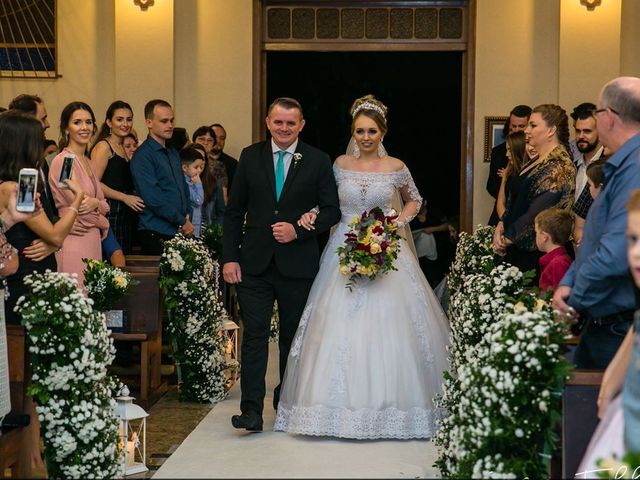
[
  {"x": 151, "y": 242},
  {"x": 599, "y": 344},
  {"x": 256, "y": 294}
]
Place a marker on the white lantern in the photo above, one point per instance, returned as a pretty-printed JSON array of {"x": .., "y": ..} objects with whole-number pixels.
[
  {"x": 133, "y": 436},
  {"x": 231, "y": 351}
]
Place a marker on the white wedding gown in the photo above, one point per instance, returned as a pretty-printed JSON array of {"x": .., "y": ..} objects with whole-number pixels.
[{"x": 366, "y": 363}]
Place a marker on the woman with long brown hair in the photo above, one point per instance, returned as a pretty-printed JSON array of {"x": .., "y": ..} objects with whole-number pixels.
[{"x": 77, "y": 127}]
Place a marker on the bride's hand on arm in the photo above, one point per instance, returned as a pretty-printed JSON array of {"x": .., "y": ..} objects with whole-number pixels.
[{"x": 308, "y": 220}]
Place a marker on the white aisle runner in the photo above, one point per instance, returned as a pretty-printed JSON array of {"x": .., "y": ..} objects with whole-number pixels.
[{"x": 216, "y": 450}]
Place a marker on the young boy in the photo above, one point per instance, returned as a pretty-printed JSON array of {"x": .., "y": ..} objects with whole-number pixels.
[
  {"x": 553, "y": 229},
  {"x": 595, "y": 177},
  {"x": 192, "y": 166}
]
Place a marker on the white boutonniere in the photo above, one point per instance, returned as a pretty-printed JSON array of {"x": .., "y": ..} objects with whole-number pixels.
[{"x": 297, "y": 158}]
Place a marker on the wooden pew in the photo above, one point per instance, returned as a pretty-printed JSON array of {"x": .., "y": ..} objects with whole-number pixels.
[
  {"x": 579, "y": 419},
  {"x": 15, "y": 443},
  {"x": 145, "y": 309}
]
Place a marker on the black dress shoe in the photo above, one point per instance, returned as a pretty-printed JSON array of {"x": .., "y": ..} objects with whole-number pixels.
[{"x": 251, "y": 421}]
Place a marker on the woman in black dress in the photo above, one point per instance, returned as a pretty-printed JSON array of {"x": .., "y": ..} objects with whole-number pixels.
[
  {"x": 111, "y": 166},
  {"x": 546, "y": 182}
]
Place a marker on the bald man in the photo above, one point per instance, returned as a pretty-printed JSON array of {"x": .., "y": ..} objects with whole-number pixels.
[{"x": 598, "y": 286}]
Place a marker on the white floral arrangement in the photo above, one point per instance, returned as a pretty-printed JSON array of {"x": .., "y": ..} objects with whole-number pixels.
[
  {"x": 105, "y": 284},
  {"x": 189, "y": 277},
  {"x": 70, "y": 351},
  {"x": 474, "y": 254},
  {"x": 475, "y": 306},
  {"x": 507, "y": 370}
]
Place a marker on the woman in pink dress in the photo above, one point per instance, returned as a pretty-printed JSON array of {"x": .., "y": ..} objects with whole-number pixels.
[{"x": 77, "y": 126}]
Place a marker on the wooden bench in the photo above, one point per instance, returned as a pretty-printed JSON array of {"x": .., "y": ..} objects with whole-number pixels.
[
  {"x": 579, "y": 420},
  {"x": 144, "y": 306},
  {"x": 15, "y": 443}
]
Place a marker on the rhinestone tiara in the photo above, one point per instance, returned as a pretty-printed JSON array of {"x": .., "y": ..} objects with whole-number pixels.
[{"x": 368, "y": 106}]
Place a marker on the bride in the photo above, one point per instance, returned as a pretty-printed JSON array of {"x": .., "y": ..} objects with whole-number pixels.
[{"x": 367, "y": 363}]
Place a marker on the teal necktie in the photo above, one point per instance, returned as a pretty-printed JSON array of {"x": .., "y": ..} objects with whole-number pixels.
[{"x": 280, "y": 173}]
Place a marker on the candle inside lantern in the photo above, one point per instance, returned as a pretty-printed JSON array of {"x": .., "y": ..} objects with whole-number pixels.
[{"x": 131, "y": 446}]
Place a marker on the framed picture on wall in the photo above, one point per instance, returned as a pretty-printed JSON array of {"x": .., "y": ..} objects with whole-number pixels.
[{"x": 493, "y": 128}]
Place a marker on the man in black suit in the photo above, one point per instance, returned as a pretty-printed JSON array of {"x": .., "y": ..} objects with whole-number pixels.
[
  {"x": 276, "y": 259},
  {"x": 217, "y": 152},
  {"x": 517, "y": 122}
]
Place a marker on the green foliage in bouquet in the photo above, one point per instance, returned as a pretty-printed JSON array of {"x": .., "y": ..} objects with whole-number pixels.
[
  {"x": 189, "y": 278},
  {"x": 70, "y": 351},
  {"x": 212, "y": 237},
  {"x": 105, "y": 284}
]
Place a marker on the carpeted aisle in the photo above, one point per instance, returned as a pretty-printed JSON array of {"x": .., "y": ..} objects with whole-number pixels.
[{"x": 216, "y": 450}]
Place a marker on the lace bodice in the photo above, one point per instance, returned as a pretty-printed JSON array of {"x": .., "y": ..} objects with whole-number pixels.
[{"x": 362, "y": 191}]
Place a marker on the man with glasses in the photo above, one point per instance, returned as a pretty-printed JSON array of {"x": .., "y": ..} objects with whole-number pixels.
[{"x": 598, "y": 285}]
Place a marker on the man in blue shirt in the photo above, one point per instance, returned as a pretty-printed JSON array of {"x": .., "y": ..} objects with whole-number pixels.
[
  {"x": 158, "y": 177},
  {"x": 598, "y": 285}
]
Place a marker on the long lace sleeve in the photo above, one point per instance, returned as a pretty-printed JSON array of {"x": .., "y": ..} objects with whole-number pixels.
[{"x": 410, "y": 195}]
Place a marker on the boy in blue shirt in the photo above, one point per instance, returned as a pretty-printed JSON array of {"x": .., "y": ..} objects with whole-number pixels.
[{"x": 192, "y": 166}]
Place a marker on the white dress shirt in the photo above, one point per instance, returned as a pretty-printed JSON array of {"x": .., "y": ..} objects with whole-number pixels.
[
  {"x": 581, "y": 170},
  {"x": 287, "y": 156}
]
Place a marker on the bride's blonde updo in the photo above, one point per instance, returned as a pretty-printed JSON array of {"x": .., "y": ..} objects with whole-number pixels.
[{"x": 370, "y": 107}]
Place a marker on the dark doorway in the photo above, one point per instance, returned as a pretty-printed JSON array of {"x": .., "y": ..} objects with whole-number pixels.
[{"x": 423, "y": 91}]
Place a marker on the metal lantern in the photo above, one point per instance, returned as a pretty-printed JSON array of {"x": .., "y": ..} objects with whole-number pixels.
[
  {"x": 133, "y": 437},
  {"x": 231, "y": 351}
]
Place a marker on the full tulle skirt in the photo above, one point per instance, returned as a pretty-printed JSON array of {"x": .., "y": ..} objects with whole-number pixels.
[{"x": 366, "y": 363}]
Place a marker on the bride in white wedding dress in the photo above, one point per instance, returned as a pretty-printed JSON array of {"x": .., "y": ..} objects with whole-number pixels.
[{"x": 367, "y": 363}]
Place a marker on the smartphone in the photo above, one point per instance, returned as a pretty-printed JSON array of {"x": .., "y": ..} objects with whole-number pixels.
[
  {"x": 65, "y": 173},
  {"x": 27, "y": 188}
]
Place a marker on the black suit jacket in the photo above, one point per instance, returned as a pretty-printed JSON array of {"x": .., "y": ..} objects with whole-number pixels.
[
  {"x": 498, "y": 160},
  {"x": 309, "y": 183}
]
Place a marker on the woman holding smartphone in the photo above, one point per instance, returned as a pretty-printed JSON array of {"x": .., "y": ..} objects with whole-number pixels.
[
  {"x": 77, "y": 127},
  {"x": 36, "y": 238}
]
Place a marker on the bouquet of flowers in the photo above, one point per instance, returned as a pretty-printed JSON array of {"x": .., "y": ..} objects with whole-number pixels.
[
  {"x": 105, "y": 284},
  {"x": 370, "y": 247}
]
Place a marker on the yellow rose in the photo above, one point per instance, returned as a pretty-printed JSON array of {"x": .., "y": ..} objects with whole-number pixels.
[
  {"x": 344, "y": 270},
  {"x": 120, "y": 281},
  {"x": 540, "y": 304},
  {"x": 388, "y": 250},
  {"x": 519, "y": 308},
  {"x": 375, "y": 248},
  {"x": 362, "y": 270}
]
